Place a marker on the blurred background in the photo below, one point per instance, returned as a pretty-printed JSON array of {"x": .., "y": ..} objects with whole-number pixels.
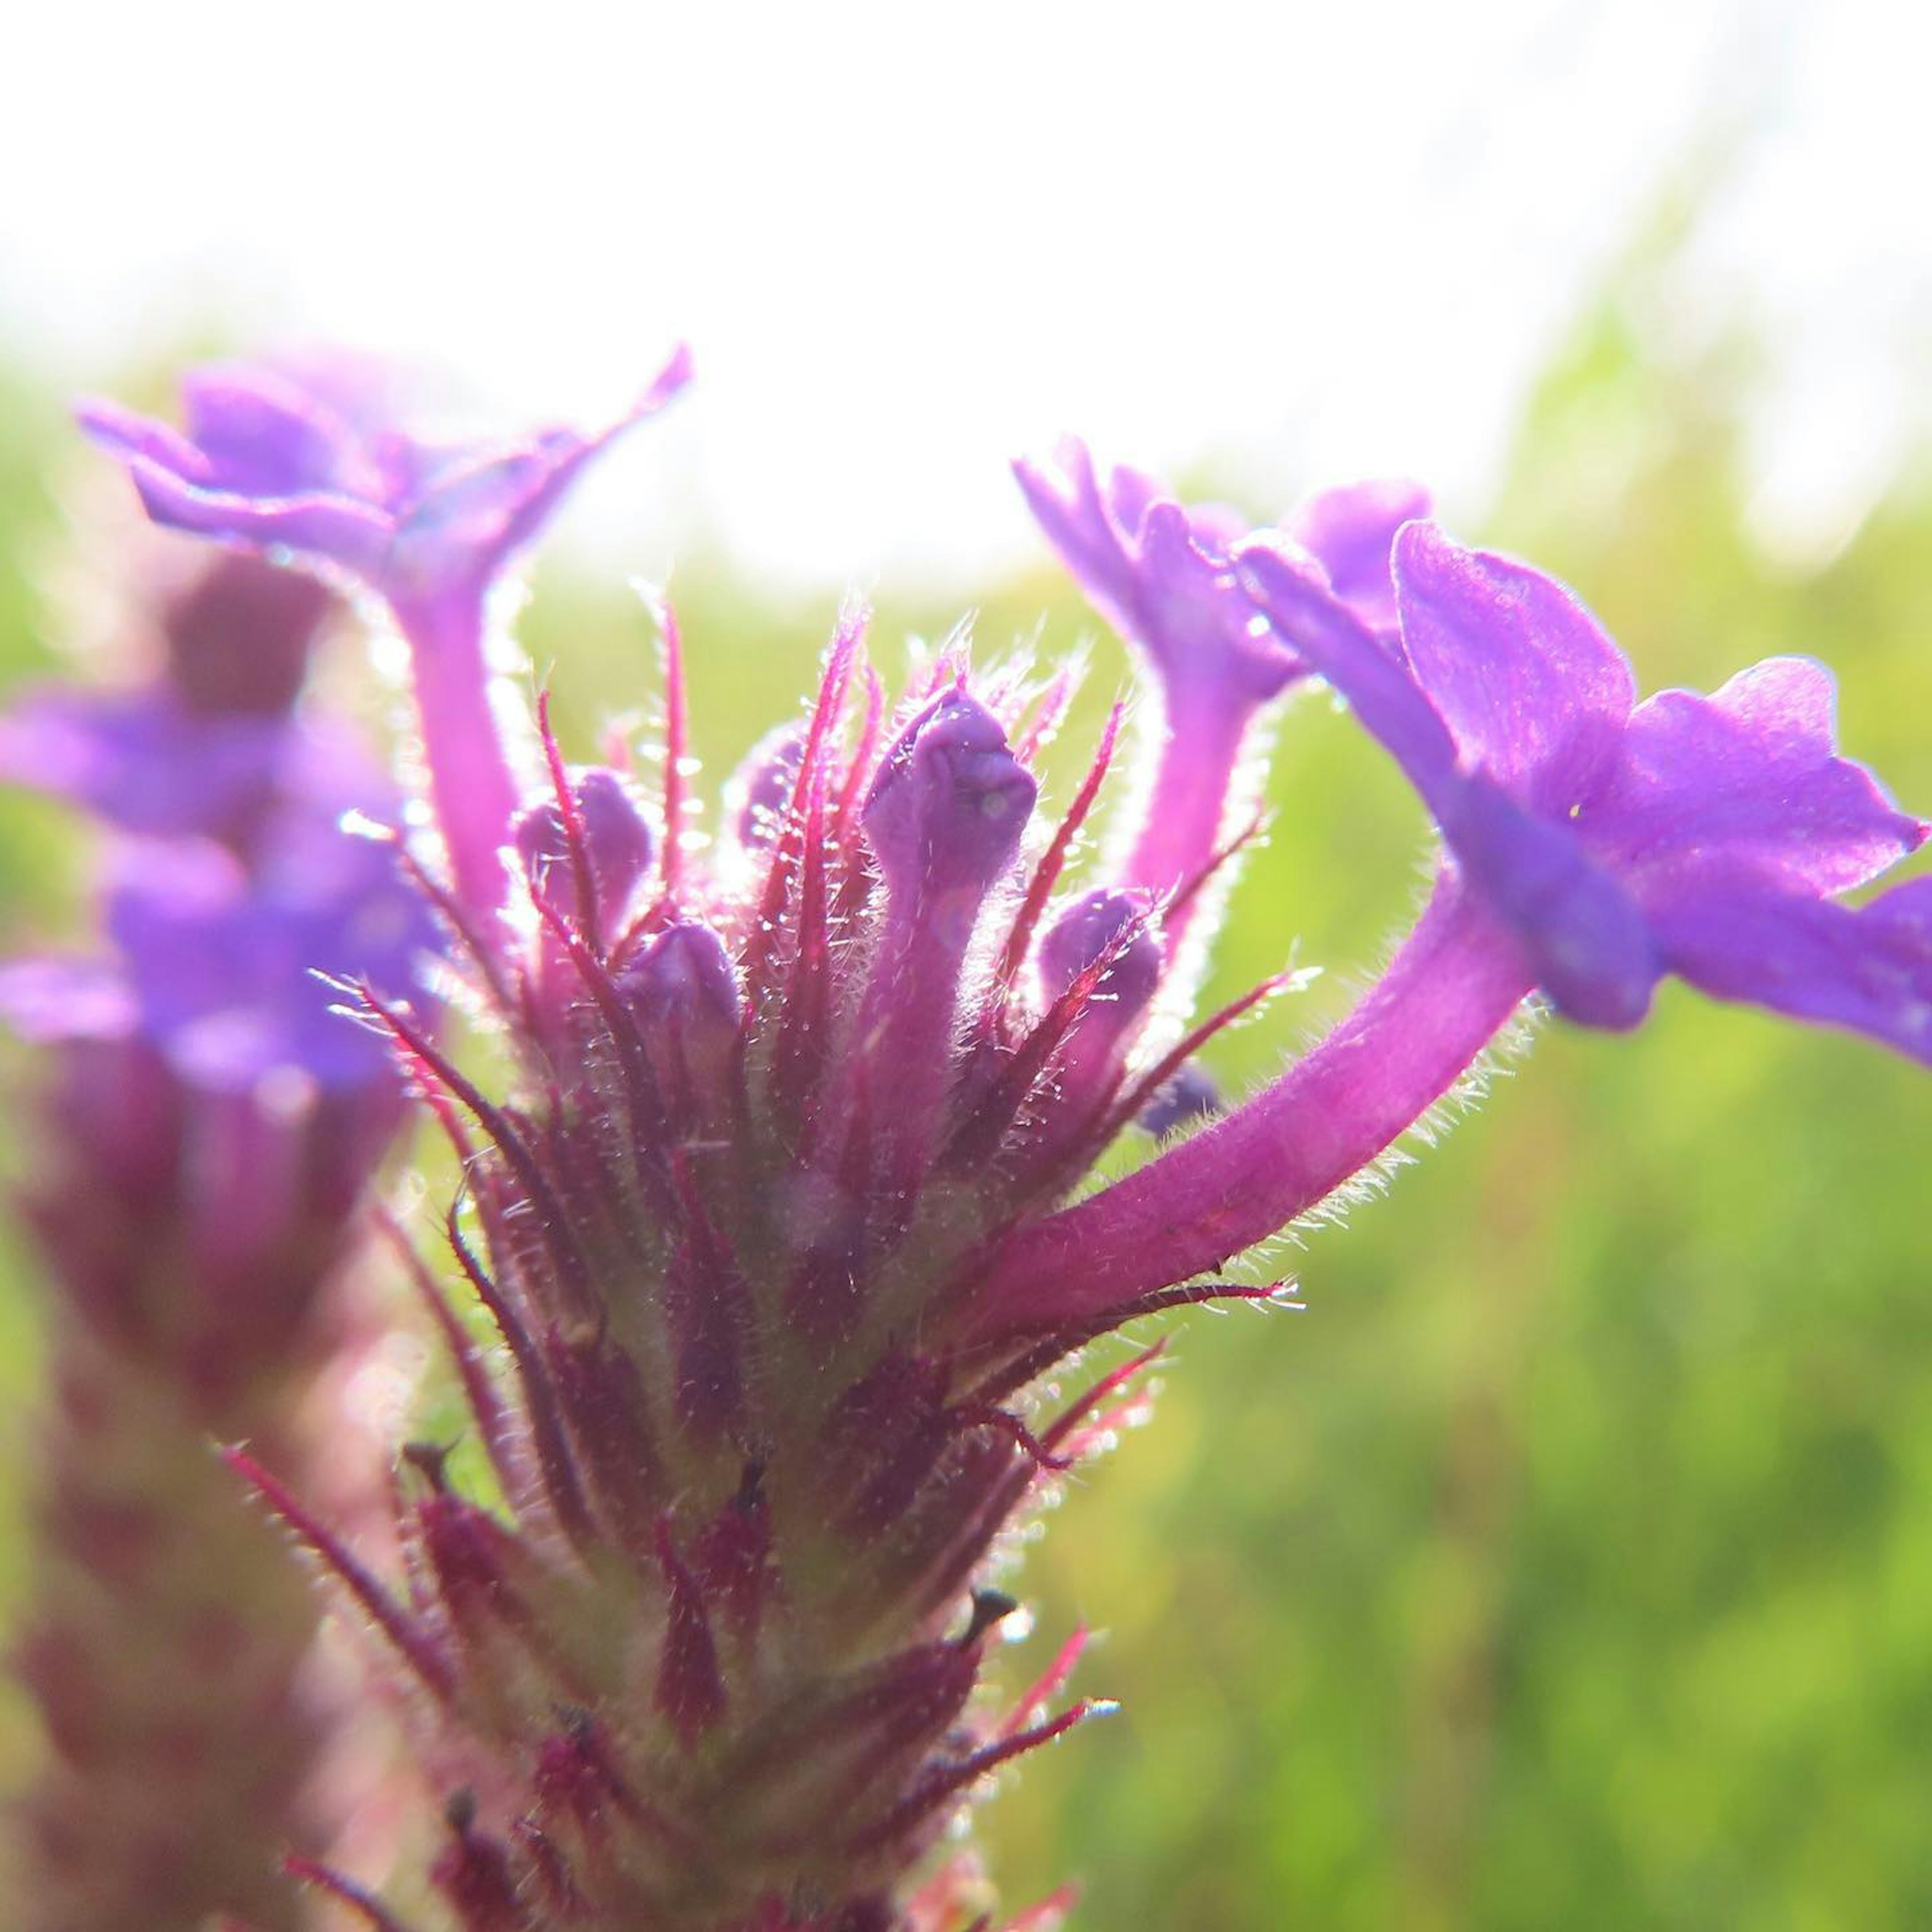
[{"x": 1569, "y": 1561}]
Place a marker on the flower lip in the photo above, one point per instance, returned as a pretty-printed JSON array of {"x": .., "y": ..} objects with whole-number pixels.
[{"x": 1351, "y": 532}]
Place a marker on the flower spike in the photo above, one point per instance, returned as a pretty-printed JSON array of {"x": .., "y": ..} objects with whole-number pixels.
[{"x": 782, "y": 1200}]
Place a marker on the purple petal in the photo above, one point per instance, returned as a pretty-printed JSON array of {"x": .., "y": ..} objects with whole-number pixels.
[
  {"x": 261, "y": 434},
  {"x": 1350, "y": 532},
  {"x": 1163, "y": 576},
  {"x": 45, "y": 1001},
  {"x": 141, "y": 761},
  {"x": 1585, "y": 934},
  {"x": 1531, "y": 689},
  {"x": 1867, "y": 968},
  {"x": 1064, "y": 496},
  {"x": 1593, "y": 953},
  {"x": 338, "y": 531},
  {"x": 125, "y": 434},
  {"x": 1750, "y": 773},
  {"x": 474, "y": 515},
  {"x": 224, "y": 964},
  {"x": 1293, "y": 594}
]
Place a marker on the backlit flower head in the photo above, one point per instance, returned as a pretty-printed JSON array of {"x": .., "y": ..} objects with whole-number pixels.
[{"x": 784, "y": 1211}]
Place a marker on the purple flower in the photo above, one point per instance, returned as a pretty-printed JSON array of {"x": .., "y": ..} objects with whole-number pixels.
[
  {"x": 1708, "y": 837},
  {"x": 1163, "y": 575},
  {"x": 279, "y": 464}
]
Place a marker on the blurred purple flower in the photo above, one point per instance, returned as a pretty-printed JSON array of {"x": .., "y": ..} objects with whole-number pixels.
[
  {"x": 204, "y": 1140},
  {"x": 309, "y": 469}
]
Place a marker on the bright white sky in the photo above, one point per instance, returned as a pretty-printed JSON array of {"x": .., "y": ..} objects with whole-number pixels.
[{"x": 908, "y": 242}]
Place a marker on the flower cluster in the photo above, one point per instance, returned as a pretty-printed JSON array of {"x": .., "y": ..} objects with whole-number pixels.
[
  {"x": 207, "y": 1134},
  {"x": 778, "y": 1209}
]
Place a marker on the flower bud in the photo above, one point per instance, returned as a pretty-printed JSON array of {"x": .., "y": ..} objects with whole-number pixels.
[
  {"x": 1106, "y": 932},
  {"x": 946, "y": 813},
  {"x": 618, "y": 847},
  {"x": 760, "y": 788},
  {"x": 682, "y": 994}
]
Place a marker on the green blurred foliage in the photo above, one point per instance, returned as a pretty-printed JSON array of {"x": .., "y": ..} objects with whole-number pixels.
[{"x": 1568, "y": 1561}]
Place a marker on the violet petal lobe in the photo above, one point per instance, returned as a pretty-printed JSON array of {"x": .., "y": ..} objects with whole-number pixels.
[
  {"x": 260, "y": 433},
  {"x": 1292, "y": 593},
  {"x": 313, "y": 527},
  {"x": 1866, "y": 968},
  {"x": 1752, "y": 771},
  {"x": 1589, "y": 947},
  {"x": 1349, "y": 532},
  {"x": 1530, "y": 688},
  {"x": 141, "y": 759},
  {"x": 223, "y": 967}
]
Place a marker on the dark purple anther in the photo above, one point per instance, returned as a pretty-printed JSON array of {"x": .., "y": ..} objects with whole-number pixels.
[
  {"x": 474, "y": 1873},
  {"x": 618, "y": 847},
  {"x": 1190, "y": 1097}
]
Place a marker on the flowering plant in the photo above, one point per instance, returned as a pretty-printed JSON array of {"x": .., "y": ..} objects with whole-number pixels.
[{"x": 778, "y": 1204}]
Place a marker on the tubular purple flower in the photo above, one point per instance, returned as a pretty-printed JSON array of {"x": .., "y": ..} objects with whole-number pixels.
[
  {"x": 1163, "y": 575},
  {"x": 270, "y": 463},
  {"x": 1160, "y": 575},
  {"x": 1598, "y": 847}
]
